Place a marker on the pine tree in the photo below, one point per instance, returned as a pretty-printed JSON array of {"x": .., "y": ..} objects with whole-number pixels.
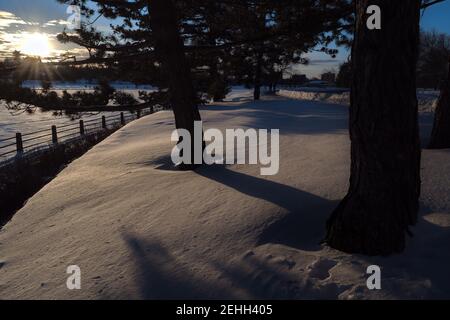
[
  {"x": 177, "y": 39},
  {"x": 242, "y": 37},
  {"x": 383, "y": 198},
  {"x": 299, "y": 26},
  {"x": 440, "y": 136}
]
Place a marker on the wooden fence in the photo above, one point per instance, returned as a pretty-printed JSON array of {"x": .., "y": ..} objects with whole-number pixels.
[{"x": 25, "y": 142}]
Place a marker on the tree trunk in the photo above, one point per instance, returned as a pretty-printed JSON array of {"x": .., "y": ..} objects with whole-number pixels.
[
  {"x": 383, "y": 198},
  {"x": 440, "y": 136},
  {"x": 258, "y": 73},
  {"x": 169, "y": 47},
  {"x": 214, "y": 78}
]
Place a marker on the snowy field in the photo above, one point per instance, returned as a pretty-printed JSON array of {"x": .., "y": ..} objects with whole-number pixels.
[
  {"x": 139, "y": 230},
  {"x": 426, "y": 98},
  {"x": 85, "y": 85},
  {"x": 12, "y": 121}
]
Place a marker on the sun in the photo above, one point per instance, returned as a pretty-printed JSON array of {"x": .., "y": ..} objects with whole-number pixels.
[{"x": 35, "y": 44}]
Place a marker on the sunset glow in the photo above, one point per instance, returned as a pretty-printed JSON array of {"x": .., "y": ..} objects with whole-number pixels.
[{"x": 35, "y": 44}]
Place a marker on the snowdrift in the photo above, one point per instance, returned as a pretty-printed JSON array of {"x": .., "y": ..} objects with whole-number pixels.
[
  {"x": 139, "y": 230},
  {"x": 427, "y": 99}
]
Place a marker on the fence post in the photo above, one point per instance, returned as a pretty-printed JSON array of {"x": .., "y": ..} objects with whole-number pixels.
[
  {"x": 103, "y": 122},
  {"x": 122, "y": 118},
  {"x": 19, "y": 143},
  {"x": 139, "y": 114},
  {"x": 82, "y": 128},
  {"x": 54, "y": 135}
]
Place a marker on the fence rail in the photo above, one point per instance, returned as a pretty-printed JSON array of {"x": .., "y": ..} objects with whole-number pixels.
[{"x": 30, "y": 141}]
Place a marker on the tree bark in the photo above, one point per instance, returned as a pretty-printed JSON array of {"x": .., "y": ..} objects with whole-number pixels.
[
  {"x": 169, "y": 48},
  {"x": 440, "y": 136},
  {"x": 258, "y": 74},
  {"x": 383, "y": 198},
  {"x": 214, "y": 78}
]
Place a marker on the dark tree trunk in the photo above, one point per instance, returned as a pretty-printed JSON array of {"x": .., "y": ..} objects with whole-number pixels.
[
  {"x": 169, "y": 47},
  {"x": 383, "y": 198},
  {"x": 440, "y": 136},
  {"x": 258, "y": 74},
  {"x": 215, "y": 78}
]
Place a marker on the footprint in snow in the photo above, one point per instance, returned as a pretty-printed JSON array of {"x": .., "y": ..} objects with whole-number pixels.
[{"x": 320, "y": 269}]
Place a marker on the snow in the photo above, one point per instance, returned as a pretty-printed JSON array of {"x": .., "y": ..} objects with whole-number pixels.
[
  {"x": 140, "y": 230},
  {"x": 85, "y": 84},
  {"x": 17, "y": 121},
  {"x": 427, "y": 99},
  {"x": 12, "y": 121},
  {"x": 315, "y": 89}
]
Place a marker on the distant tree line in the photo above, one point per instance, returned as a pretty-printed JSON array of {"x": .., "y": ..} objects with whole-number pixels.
[
  {"x": 32, "y": 68},
  {"x": 103, "y": 97},
  {"x": 434, "y": 52},
  {"x": 433, "y": 58}
]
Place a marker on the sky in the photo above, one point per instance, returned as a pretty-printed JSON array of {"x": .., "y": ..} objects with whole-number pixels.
[{"x": 25, "y": 24}]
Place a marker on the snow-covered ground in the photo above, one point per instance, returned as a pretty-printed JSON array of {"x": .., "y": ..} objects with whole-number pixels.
[
  {"x": 315, "y": 89},
  {"x": 427, "y": 99},
  {"x": 16, "y": 121},
  {"x": 85, "y": 85},
  {"x": 139, "y": 230},
  {"x": 12, "y": 121}
]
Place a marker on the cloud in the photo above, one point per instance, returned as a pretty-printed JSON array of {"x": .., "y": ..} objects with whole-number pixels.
[
  {"x": 8, "y": 19},
  {"x": 14, "y": 31},
  {"x": 26, "y": 17},
  {"x": 53, "y": 23}
]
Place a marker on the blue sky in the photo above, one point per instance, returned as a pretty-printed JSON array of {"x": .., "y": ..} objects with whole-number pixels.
[
  {"x": 436, "y": 17},
  {"x": 22, "y": 17}
]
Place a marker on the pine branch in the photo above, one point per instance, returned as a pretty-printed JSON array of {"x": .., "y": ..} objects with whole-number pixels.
[
  {"x": 97, "y": 60},
  {"x": 429, "y": 4}
]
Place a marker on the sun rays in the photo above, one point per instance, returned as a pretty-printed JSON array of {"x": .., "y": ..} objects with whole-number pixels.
[{"x": 35, "y": 44}]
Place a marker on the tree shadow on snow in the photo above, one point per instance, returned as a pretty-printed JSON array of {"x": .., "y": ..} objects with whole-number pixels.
[
  {"x": 160, "y": 276},
  {"x": 426, "y": 126},
  {"x": 163, "y": 276},
  {"x": 164, "y": 163},
  {"x": 304, "y": 116},
  {"x": 290, "y": 116},
  {"x": 425, "y": 261},
  {"x": 261, "y": 278},
  {"x": 303, "y": 227}
]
